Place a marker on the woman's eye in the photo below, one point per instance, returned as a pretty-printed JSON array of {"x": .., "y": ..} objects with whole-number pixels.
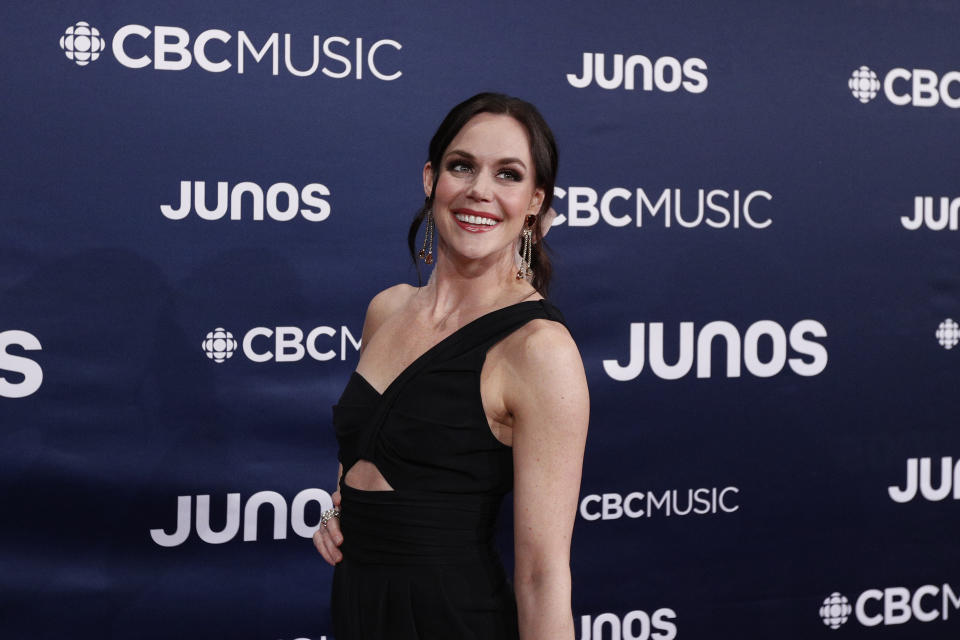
[
  {"x": 458, "y": 166},
  {"x": 510, "y": 174}
]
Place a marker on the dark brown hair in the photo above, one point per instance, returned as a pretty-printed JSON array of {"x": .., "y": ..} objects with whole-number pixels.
[{"x": 543, "y": 150}]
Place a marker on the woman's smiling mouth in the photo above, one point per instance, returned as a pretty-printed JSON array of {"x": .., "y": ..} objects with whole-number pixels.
[{"x": 474, "y": 220}]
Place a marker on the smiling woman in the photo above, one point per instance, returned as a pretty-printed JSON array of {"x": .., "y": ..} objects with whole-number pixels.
[
  {"x": 534, "y": 165},
  {"x": 466, "y": 388}
]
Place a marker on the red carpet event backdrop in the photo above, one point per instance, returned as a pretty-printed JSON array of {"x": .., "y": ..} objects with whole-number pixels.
[{"x": 757, "y": 251}]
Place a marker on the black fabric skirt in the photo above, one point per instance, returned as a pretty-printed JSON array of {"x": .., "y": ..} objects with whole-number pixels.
[{"x": 420, "y": 566}]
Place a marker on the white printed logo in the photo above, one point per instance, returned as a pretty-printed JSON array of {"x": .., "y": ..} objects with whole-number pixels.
[
  {"x": 282, "y": 202},
  {"x": 219, "y": 345},
  {"x": 836, "y": 610},
  {"x": 290, "y": 344},
  {"x": 667, "y": 74},
  {"x": 250, "y": 512},
  {"x": 82, "y": 43},
  {"x": 716, "y": 208},
  {"x": 640, "y": 504},
  {"x": 920, "y": 475},
  {"x": 29, "y": 369},
  {"x": 171, "y": 50},
  {"x": 948, "y": 334},
  {"x": 902, "y": 87},
  {"x": 635, "y": 625},
  {"x": 745, "y": 350},
  {"x": 934, "y": 218},
  {"x": 892, "y": 606},
  {"x": 864, "y": 84}
]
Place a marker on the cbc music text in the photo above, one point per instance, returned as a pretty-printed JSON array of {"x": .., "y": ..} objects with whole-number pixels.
[
  {"x": 927, "y": 213},
  {"x": 278, "y": 506},
  {"x": 282, "y": 201},
  {"x": 717, "y": 208},
  {"x": 919, "y": 479},
  {"x": 665, "y": 74},
  {"x": 172, "y": 52},
  {"x": 635, "y": 625},
  {"x": 28, "y": 369},
  {"x": 745, "y": 349},
  {"x": 646, "y": 504}
]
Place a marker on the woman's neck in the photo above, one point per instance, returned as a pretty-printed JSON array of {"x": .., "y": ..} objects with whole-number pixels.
[{"x": 469, "y": 288}]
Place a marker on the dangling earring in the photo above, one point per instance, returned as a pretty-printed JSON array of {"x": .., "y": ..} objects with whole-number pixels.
[
  {"x": 426, "y": 253},
  {"x": 526, "y": 239}
]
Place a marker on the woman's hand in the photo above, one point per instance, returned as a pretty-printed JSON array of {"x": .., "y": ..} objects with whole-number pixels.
[{"x": 327, "y": 539}]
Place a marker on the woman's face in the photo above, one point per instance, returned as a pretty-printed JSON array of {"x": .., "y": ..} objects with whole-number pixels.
[{"x": 485, "y": 189}]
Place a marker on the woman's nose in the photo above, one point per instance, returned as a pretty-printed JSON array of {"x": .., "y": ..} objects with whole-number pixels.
[{"x": 481, "y": 188}]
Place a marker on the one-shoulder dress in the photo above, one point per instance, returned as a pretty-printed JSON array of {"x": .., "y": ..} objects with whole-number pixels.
[{"x": 419, "y": 562}]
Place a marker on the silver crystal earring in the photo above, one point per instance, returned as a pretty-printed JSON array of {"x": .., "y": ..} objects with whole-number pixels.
[
  {"x": 426, "y": 253},
  {"x": 526, "y": 239}
]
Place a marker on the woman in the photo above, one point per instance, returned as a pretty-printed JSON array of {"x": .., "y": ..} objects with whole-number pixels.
[{"x": 465, "y": 387}]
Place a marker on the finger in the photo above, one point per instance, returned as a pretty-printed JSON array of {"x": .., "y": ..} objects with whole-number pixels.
[
  {"x": 318, "y": 542},
  {"x": 331, "y": 545},
  {"x": 321, "y": 539},
  {"x": 335, "y": 496},
  {"x": 333, "y": 530}
]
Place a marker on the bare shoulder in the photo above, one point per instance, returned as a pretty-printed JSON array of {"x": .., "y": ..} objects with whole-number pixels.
[
  {"x": 383, "y": 305},
  {"x": 541, "y": 345},
  {"x": 546, "y": 373},
  {"x": 389, "y": 300}
]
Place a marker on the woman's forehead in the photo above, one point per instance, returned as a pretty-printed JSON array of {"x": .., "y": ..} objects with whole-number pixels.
[{"x": 493, "y": 135}]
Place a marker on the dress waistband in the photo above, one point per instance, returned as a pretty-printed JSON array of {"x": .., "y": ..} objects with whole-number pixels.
[{"x": 416, "y": 528}]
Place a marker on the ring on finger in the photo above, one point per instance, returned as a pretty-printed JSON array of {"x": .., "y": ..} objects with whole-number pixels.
[{"x": 328, "y": 515}]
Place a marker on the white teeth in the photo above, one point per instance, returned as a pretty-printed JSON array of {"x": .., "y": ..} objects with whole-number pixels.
[{"x": 480, "y": 220}]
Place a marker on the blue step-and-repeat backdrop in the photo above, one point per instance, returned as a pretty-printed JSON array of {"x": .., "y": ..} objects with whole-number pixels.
[{"x": 757, "y": 251}]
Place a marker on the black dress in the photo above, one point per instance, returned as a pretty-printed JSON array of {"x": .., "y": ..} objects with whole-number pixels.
[{"x": 419, "y": 562}]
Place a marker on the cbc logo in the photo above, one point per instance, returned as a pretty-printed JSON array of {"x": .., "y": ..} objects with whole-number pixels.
[
  {"x": 920, "y": 477},
  {"x": 835, "y": 610},
  {"x": 193, "y": 198},
  {"x": 26, "y": 368},
  {"x": 948, "y": 334},
  {"x": 250, "y": 511},
  {"x": 747, "y": 348},
  {"x": 891, "y": 606},
  {"x": 639, "y": 504},
  {"x": 863, "y": 84},
  {"x": 219, "y": 345},
  {"x": 716, "y": 208},
  {"x": 635, "y": 625},
  {"x": 172, "y": 51},
  {"x": 81, "y": 43},
  {"x": 916, "y": 87},
  {"x": 666, "y": 74},
  {"x": 290, "y": 344}
]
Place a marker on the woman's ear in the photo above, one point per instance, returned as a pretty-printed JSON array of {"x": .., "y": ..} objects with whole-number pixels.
[
  {"x": 427, "y": 180},
  {"x": 536, "y": 202}
]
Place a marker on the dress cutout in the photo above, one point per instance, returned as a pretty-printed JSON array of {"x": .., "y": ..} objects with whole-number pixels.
[{"x": 419, "y": 562}]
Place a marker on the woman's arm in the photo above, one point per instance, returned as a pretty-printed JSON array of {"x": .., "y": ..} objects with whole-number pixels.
[{"x": 550, "y": 405}]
